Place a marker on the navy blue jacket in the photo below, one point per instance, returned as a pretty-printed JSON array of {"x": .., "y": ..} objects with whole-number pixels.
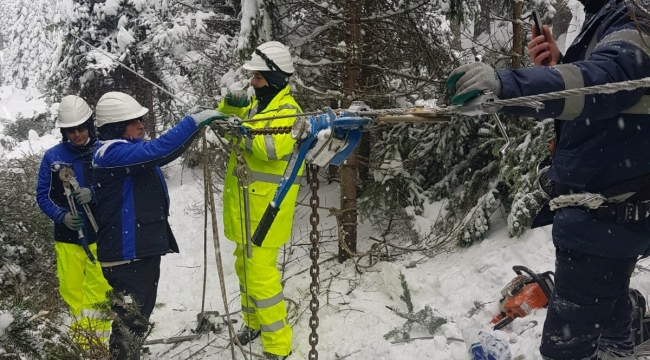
[
  {"x": 131, "y": 193},
  {"x": 601, "y": 140},
  {"x": 49, "y": 191}
]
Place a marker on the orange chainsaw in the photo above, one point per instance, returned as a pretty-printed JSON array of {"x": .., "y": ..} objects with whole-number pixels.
[{"x": 528, "y": 291}]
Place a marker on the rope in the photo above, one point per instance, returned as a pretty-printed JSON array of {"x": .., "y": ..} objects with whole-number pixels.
[{"x": 209, "y": 197}]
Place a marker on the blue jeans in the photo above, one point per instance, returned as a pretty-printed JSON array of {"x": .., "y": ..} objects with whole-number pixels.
[{"x": 590, "y": 313}]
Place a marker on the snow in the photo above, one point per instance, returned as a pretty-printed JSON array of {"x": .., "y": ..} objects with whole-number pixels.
[
  {"x": 249, "y": 11},
  {"x": 450, "y": 283},
  {"x": 5, "y": 321},
  {"x": 105, "y": 145},
  {"x": 17, "y": 101},
  {"x": 124, "y": 39},
  {"x": 111, "y": 7}
]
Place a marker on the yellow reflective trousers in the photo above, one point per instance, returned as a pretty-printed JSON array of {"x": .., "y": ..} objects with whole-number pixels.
[
  {"x": 263, "y": 306},
  {"x": 82, "y": 286}
]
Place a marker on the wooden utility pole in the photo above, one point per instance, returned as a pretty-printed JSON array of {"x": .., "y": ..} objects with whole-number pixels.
[{"x": 350, "y": 88}]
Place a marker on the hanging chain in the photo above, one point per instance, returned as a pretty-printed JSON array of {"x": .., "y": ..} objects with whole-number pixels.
[{"x": 314, "y": 305}]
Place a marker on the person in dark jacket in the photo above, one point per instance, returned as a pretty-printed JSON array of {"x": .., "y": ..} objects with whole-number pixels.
[
  {"x": 81, "y": 283},
  {"x": 133, "y": 207},
  {"x": 600, "y": 170}
]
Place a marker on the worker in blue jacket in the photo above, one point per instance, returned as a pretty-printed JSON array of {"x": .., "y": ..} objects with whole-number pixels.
[
  {"x": 81, "y": 283},
  {"x": 133, "y": 209},
  {"x": 600, "y": 172}
]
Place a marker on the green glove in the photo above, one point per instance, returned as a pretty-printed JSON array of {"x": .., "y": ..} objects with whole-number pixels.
[
  {"x": 72, "y": 222},
  {"x": 471, "y": 80},
  {"x": 204, "y": 117},
  {"x": 83, "y": 195},
  {"x": 237, "y": 98}
]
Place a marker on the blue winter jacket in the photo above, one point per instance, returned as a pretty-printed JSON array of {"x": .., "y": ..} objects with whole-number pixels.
[
  {"x": 49, "y": 191},
  {"x": 601, "y": 140},
  {"x": 132, "y": 197}
]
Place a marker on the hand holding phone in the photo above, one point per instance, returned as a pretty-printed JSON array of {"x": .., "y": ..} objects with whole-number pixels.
[
  {"x": 542, "y": 48},
  {"x": 537, "y": 20}
]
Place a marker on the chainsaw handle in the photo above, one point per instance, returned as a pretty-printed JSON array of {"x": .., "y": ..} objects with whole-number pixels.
[{"x": 518, "y": 269}]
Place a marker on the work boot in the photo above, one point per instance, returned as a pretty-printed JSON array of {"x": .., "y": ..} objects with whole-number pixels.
[
  {"x": 246, "y": 335},
  {"x": 269, "y": 356},
  {"x": 121, "y": 349}
]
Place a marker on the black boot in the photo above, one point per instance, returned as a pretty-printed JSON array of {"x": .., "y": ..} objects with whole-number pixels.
[
  {"x": 269, "y": 356},
  {"x": 246, "y": 335},
  {"x": 121, "y": 349}
]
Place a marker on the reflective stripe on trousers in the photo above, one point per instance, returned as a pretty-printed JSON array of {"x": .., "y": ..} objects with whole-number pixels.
[
  {"x": 82, "y": 286},
  {"x": 263, "y": 306}
]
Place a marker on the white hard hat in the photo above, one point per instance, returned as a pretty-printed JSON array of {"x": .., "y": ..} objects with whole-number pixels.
[
  {"x": 73, "y": 111},
  {"x": 277, "y": 58},
  {"x": 114, "y": 107}
]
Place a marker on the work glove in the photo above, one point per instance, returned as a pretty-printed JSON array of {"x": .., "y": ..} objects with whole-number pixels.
[
  {"x": 206, "y": 116},
  {"x": 83, "y": 195},
  {"x": 73, "y": 223},
  {"x": 237, "y": 98},
  {"x": 471, "y": 80}
]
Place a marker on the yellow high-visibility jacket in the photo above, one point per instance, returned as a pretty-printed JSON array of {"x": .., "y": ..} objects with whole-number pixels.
[{"x": 267, "y": 157}]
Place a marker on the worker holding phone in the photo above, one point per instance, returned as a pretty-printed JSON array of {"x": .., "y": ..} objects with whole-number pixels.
[
  {"x": 602, "y": 150},
  {"x": 542, "y": 48}
]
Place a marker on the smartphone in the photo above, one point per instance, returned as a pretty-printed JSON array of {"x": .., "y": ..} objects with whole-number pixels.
[{"x": 538, "y": 24}]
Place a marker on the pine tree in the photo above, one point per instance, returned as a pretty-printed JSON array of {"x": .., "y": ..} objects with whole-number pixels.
[
  {"x": 171, "y": 44},
  {"x": 28, "y": 40}
]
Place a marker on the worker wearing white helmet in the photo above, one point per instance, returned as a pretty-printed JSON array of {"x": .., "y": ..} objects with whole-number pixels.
[
  {"x": 262, "y": 300},
  {"x": 81, "y": 283},
  {"x": 133, "y": 208}
]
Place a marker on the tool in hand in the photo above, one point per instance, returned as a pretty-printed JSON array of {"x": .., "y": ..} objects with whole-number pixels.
[{"x": 70, "y": 185}]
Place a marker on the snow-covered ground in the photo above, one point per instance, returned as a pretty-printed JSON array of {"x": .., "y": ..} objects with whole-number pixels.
[
  {"x": 353, "y": 314},
  {"x": 16, "y": 101}
]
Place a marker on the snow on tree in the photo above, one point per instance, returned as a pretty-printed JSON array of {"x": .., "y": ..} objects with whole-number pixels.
[
  {"x": 171, "y": 44},
  {"x": 27, "y": 41}
]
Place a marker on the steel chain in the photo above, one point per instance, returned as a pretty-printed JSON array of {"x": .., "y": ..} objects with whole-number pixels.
[
  {"x": 314, "y": 305},
  {"x": 271, "y": 131}
]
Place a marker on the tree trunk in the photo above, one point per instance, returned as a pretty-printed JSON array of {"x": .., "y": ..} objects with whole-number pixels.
[
  {"x": 369, "y": 82},
  {"x": 350, "y": 88},
  {"x": 517, "y": 35},
  {"x": 456, "y": 43},
  {"x": 482, "y": 22}
]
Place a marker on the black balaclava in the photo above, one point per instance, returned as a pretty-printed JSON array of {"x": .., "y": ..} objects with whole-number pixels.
[
  {"x": 113, "y": 131},
  {"x": 277, "y": 80},
  {"x": 592, "y": 6}
]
